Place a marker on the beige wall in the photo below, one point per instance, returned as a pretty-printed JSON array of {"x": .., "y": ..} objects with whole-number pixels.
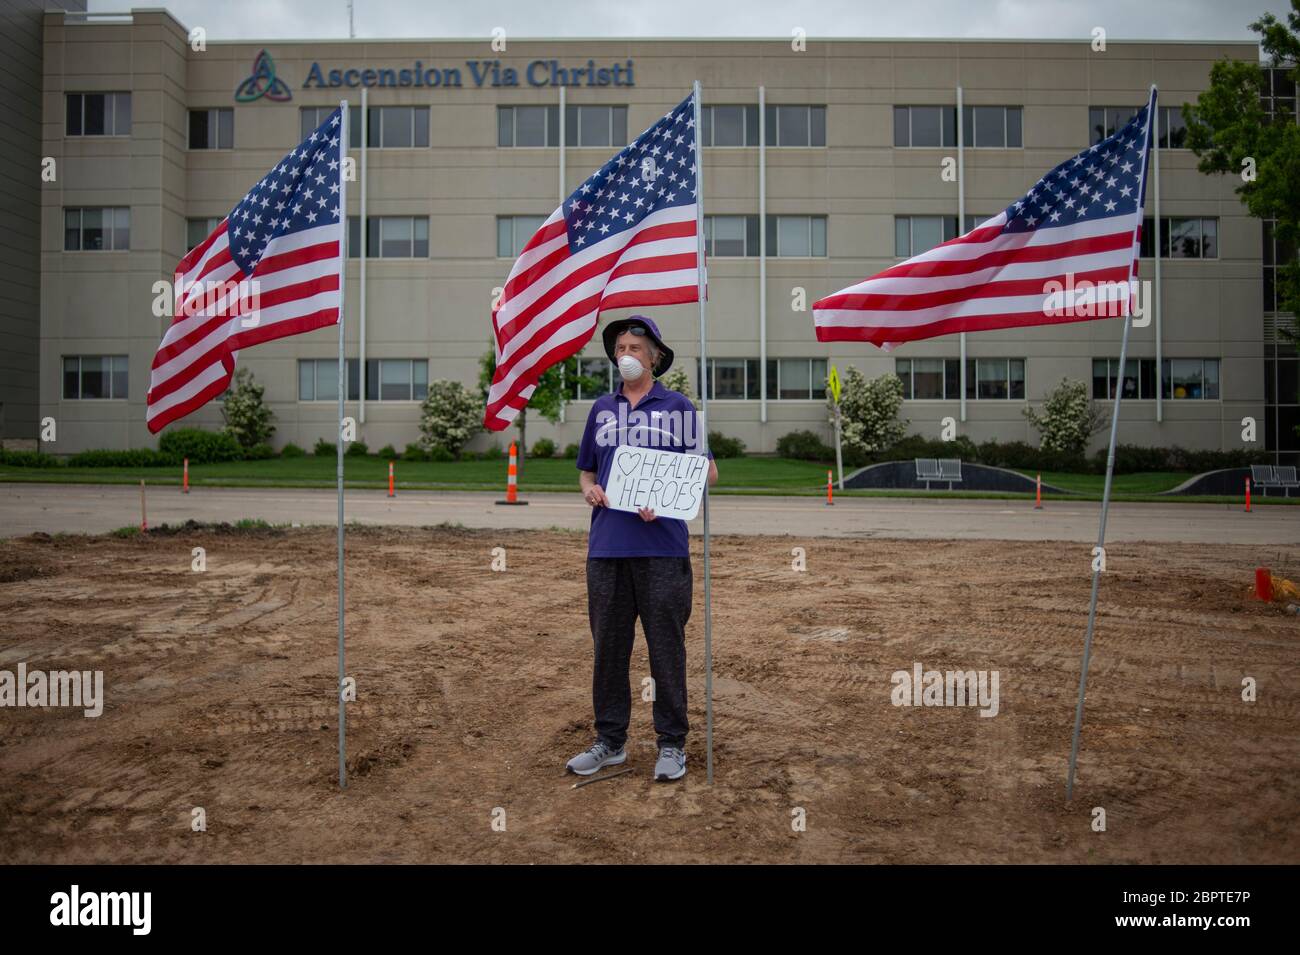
[{"x": 438, "y": 308}]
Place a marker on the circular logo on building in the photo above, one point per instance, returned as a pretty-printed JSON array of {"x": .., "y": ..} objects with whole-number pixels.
[{"x": 263, "y": 82}]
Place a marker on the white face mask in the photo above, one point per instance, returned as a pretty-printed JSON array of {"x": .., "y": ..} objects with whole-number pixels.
[{"x": 629, "y": 368}]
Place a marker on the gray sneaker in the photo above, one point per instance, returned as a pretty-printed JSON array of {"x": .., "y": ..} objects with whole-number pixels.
[
  {"x": 595, "y": 759},
  {"x": 671, "y": 764}
]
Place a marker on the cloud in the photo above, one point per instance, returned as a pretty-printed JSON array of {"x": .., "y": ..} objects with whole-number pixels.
[{"x": 940, "y": 19}]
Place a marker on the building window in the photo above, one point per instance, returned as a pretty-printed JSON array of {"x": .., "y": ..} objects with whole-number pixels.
[
  {"x": 528, "y": 125},
  {"x": 98, "y": 114},
  {"x": 929, "y": 379},
  {"x": 738, "y": 379},
  {"x": 94, "y": 376},
  {"x": 390, "y": 237},
  {"x": 310, "y": 118},
  {"x": 1182, "y": 378},
  {"x": 212, "y": 129},
  {"x": 1139, "y": 378},
  {"x": 995, "y": 378},
  {"x": 97, "y": 229},
  {"x": 916, "y": 234},
  {"x": 796, "y": 125},
  {"x": 924, "y": 126},
  {"x": 1181, "y": 238},
  {"x": 594, "y": 126},
  {"x": 1276, "y": 253},
  {"x": 602, "y": 370},
  {"x": 387, "y": 379},
  {"x": 1279, "y": 97},
  {"x": 796, "y": 236},
  {"x": 513, "y": 233},
  {"x": 1105, "y": 121},
  {"x": 730, "y": 236},
  {"x": 940, "y": 378},
  {"x": 992, "y": 127},
  {"x": 729, "y": 125},
  {"x": 983, "y": 127},
  {"x": 1191, "y": 378},
  {"x": 397, "y": 127},
  {"x": 196, "y": 230}
]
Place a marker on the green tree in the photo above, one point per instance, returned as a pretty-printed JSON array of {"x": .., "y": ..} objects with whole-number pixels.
[
  {"x": 558, "y": 384},
  {"x": 247, "y": 417},
  {"x": 1232, "y": 134},
  {"x": 1068, "y": 419},
  {"x": 869, "y": 411}
]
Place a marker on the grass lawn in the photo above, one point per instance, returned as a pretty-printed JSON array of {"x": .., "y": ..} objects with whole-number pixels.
[
  {"x": 1145, "y": 482},
  {"x": 747, "y": 475},
  {"x": 543, "y": 474}
]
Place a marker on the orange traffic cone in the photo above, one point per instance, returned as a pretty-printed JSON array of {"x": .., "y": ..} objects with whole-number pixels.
[
  {"x": 512, "y": 477},
  {"x": 390, "y": 480},
  {"x": 1038, "y": 493},
  {"x": 830, "y": 492}
]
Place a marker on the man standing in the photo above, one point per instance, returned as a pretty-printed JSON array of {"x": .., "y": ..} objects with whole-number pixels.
[{"x": 638, "y": 565}]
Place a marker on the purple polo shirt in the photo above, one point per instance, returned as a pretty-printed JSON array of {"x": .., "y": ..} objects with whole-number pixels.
[{"x": 663, "y": 419}]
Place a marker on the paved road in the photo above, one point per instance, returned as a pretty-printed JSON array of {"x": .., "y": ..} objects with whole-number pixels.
[{"x": 83, "y": 508}]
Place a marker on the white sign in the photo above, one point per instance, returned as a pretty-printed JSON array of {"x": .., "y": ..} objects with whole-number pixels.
[{"x": 670, "y": 483}]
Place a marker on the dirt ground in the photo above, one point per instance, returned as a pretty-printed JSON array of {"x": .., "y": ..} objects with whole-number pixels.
[{"x": 474, "y": 689}]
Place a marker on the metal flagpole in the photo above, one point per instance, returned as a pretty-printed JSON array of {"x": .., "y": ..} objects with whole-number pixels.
[
  {"x": 704, "y": 428},
  {"x": 1110, "y": 470},
  {"x": 343, "y": 267}
]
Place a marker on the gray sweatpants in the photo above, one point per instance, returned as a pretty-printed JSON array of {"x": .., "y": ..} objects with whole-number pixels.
[{"x": 658, "y": 590}]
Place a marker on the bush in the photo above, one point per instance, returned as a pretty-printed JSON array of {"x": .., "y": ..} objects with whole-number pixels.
[
  {"x": 571, "y": 452},
  {"x": 869, "y": 412},
  {"x": 292, "y": 450},
  {"x": 543, "y": 448},
  {"x": 325, "y": 449},
  {"x": 244, "y": 409},
  {"x": 414, "y": 452},
  {"x": 494, "y": 453},
  {"x": 1132, "y": 458},
  {"x": 804, "y": 446},
  {"x": 470, "y": 455},
  {"x": 1068, "y": 419},
  {"x": 201, "y": 447},
  {"x": 441, "y": 454},
  {"x": 357, "y": 449},
  {"x": 134, "y": 458},
  {"x": 388, "y": 452},
  {"x": 450, "y": 416},
  {"x": 724, "y": 447},
  {"x": 259, "y": 452},
  {"x": 680, "y": 381},
  {"x": 28, "y": 459}
]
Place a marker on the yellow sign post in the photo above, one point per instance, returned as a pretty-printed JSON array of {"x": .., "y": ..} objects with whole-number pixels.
[{"x": 833, "y": 382}]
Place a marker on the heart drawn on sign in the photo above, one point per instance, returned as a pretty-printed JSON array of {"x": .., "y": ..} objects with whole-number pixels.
[{"x": 627, "y": 463}]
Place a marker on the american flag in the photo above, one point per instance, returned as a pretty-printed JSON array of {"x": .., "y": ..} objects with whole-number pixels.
[
  {"x": 1038, "y": 262},
  {"x": 269, "y": 269},
  {"x": 625, "y": 238}
]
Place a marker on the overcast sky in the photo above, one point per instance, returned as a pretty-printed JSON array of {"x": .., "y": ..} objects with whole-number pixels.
[{"x": 1008, "y": 19}]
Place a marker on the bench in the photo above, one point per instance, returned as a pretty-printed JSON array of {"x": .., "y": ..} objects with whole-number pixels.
[
  {"x": 927, "y": 470},
  {"x": 1286, "y": 478},
  {"x": 950, "y": 471},
  {"x": 1263, "y": 477},
  {"x": 943, "y": 469}
]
